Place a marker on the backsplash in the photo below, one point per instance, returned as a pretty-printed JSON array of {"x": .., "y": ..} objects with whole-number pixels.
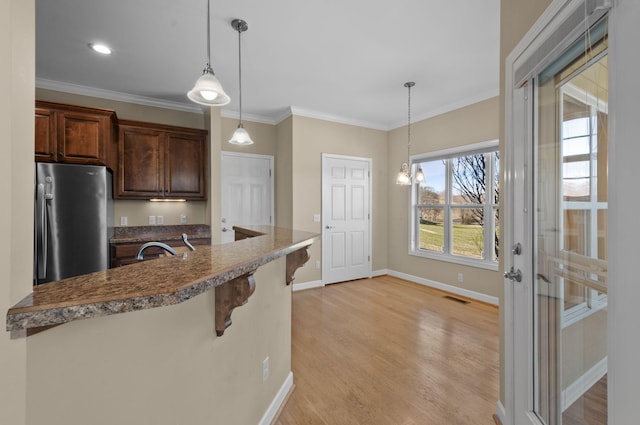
[{"x": 137, "y": 213}]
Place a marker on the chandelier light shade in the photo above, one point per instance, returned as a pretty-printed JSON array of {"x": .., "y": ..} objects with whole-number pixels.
[
  {"x": 405, "y": 178},
  {"x": 240, "y": 136},
  {"x": 208, "y": 91}
]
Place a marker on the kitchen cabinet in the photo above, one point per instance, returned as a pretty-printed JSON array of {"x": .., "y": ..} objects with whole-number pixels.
[
  {"x": 160, "y": 161},
  {"x": 75, "y": 134}
]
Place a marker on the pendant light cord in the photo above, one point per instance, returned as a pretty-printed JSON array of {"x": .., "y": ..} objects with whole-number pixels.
[
  {"x": 208, "y": 35},
  {"x": 240, "y": 70},
  {"x": 409, "y": 127}
]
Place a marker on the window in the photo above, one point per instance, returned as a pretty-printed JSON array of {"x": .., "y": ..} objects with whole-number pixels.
[
  {"x": 583, "y": 171},
  {"x": 454, "y": 212}
]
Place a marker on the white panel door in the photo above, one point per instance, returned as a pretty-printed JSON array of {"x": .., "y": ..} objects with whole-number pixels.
[
  {"x": 247, "y": 191},
  {"x": 346, "y": 218}
]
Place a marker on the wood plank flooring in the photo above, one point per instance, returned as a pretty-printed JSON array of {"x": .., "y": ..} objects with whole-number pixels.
[
  {"x": 386, "y": 351},
  {"x": 590, "y": 408}
]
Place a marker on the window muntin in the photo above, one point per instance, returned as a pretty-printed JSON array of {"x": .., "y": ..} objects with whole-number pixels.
[{"x": 453, "y": 218}]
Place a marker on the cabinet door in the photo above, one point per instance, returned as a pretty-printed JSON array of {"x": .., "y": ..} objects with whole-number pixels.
[
  {"x": 82, "y": 138},
  {"x": 185, "y": 166},
  {"x": 45, "y": 135},
  {"x": 140, "y": 163}
]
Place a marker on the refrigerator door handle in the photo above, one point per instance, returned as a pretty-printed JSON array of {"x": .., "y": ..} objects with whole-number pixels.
[
  {"x": 48, "y": 189},
  {"x": 41, "y": 232}
]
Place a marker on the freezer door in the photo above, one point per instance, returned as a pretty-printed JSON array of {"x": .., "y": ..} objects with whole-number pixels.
[{"x": 75, "y": 226}]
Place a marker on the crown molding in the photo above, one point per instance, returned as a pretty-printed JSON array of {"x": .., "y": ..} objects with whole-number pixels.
[
  {"x": 448, "y": 108},
  {"x": 276, "y": 119},
  {"x": 114, "y": 95},
  {"x": 248, "y": 117},
  {"x": 295, "y": 110}
]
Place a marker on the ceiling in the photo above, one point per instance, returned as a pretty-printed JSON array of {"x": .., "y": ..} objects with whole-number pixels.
[{"x": 341, "y": 60}]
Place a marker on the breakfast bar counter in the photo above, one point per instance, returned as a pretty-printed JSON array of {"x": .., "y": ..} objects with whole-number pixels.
[{"x": 165, "y": 281}]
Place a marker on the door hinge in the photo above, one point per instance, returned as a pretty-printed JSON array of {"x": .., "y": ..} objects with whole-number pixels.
[
  {"x": 269, "y": 172},
  {"x": 369, "y": 216},
  {"x": 269, "y": 219},
  {"x": 369, "y": 258}
]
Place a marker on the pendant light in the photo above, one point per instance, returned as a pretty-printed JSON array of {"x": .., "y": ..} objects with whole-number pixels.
[
  {"x": 404, "y": 175},
  {"x": 240, "y": 136},
  {"x": 208, "y": 91}
]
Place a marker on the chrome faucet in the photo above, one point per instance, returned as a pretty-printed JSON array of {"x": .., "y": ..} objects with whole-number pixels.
[
  {"x": 187, "y": 243},
  {"x": 156, "y": 244}
]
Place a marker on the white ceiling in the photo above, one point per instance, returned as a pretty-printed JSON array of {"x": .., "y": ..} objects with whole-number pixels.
[{"x": 342, "y": 60}]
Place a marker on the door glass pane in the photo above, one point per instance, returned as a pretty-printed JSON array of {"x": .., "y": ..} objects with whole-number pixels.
[{"x": 570, "y": 263}]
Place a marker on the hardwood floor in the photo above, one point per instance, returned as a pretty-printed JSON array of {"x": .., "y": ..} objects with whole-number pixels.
[
  {"x": 386, "y": 351},
  {"x": 589, "y": 409}
]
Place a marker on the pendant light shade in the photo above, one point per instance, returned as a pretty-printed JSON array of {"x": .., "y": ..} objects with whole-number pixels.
[
  {"x": 240, "y": 136},
  {"x": 405, "y": 177},
  {"x": 208, "y": 91}
]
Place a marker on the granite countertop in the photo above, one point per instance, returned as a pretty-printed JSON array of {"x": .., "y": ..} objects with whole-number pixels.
[
  {"x": 137, "y": 234},
  {"x": 154, "y": 283}
]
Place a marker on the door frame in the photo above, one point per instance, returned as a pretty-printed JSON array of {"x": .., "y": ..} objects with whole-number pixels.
[
  {"x": 271, "y": 179},
  {"x": 369, "y": 210},
  {"x": 520, "y": 134}
]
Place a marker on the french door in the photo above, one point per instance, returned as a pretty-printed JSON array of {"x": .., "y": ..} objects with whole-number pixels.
[{"x": 556, "y": 272}]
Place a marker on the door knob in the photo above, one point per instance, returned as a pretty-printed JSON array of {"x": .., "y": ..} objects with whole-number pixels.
[
  {"x": 224, "y": 229},
  {"x": 513, "y": 275},
  {"x": 516, "y": 249},
  {"x": 329, "y": 227}
]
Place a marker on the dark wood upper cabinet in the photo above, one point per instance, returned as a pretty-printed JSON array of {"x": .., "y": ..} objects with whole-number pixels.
[
  {"x": 45, "y": 135},
  {"x": 75, "y": 134},
  {"x": 160, "y": 161},
  {"x": 185, "y": 170}
]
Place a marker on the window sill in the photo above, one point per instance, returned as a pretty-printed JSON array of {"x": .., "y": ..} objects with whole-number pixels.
[{"x": 493, "y": 266}]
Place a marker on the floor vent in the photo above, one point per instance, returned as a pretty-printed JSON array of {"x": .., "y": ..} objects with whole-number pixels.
[{"x": 458, "y": 300}]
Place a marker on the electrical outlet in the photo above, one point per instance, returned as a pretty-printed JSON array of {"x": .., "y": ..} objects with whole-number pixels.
[
  {"x": 317, "y": 264},
  {"x": 460, "y": 277},
  {"x": 183, "y": 219},
  {"x": 123, "y": 220},
  {"x": 160, "y": 219},
  {"x": 152, "y": 219},
  {"x": 265, "y": 369}
]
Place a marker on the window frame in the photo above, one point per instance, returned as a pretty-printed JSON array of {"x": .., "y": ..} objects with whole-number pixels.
[{"x": 489, "y": 207}]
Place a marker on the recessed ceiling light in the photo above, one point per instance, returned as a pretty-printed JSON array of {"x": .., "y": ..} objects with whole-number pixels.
[{"x": 100, "y": 48}]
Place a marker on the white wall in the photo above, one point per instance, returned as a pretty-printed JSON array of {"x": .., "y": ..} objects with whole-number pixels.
[
  {"x": 624, "y": 204},
  {"x": 17, "y": 74}
]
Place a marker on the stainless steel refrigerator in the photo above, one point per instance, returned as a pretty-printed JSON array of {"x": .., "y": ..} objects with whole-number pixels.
[{"x": 73, "y": 220}]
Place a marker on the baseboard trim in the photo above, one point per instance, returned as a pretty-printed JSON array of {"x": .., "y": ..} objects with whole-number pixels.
[
  {"x": 448, "y": 288},
  {"x": 583, "y": 383},
  {"x": 306, "y": 285},
  {"x": 501, "y": 414},
  {"x": 380, "y": 272},
  {"x": 278, "y": 401}
]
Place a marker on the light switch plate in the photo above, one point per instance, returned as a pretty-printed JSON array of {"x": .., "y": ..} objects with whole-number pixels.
[
  {"x": 152, "y": 219},
  {"x": 160, "y": 219},
  {"x": 316, "y": 218},
  {"x": 183, "y": 219},
  {"x": 123, "y": 220}
]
